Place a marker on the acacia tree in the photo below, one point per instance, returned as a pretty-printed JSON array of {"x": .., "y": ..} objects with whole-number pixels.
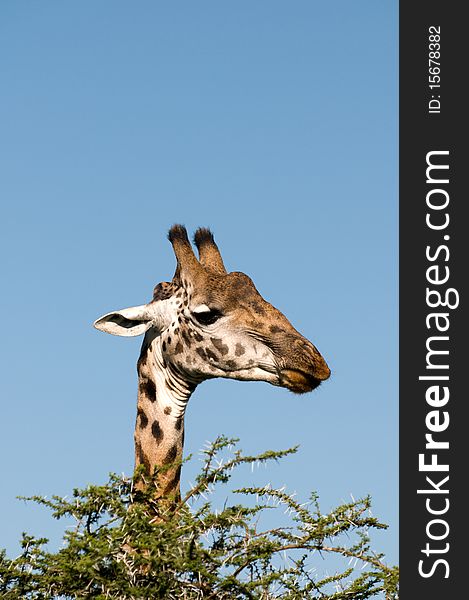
[{"x": 125, "y": 545}]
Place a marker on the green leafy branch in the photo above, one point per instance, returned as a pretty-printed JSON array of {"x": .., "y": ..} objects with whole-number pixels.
[{"x": 126, "y": 545}]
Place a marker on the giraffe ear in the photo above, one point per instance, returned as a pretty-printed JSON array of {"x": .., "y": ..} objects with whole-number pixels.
[{"x": 127, "y": 322}]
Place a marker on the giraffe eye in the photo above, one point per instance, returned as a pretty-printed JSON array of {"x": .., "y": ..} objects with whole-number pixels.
[{"x": 207, "y": 317}]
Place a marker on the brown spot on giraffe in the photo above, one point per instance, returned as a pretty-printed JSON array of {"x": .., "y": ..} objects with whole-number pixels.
[
  {"x": 143, "y": 419},
  {"x": 220, "y": 346},
  {"x": 141, "y": 458},
  {"x": 186, "y": 338},
  {"x": 275, "y": 329},
  {"x": 257, "y": 308},
  {"x": 147, "y": 388},
  {"x": 171, "y": 455},
  {"x": 201, "y": 353},
  {"x": 157, "y": 432},
  {"x": 210, "y": 354},
  {"x": 239, "y": 349}
]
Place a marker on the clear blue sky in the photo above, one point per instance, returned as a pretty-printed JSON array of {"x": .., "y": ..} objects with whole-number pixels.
[{"x": 273, "y": 123}]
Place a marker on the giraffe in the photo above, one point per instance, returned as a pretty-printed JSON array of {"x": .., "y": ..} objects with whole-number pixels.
[{"x": 205, "y": 323}]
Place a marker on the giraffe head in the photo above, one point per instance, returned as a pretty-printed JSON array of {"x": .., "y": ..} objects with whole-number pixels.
[{"x": 209, "y": 323}]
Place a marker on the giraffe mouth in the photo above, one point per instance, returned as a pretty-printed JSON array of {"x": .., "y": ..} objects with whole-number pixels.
[{"x": 297, "y": 381}]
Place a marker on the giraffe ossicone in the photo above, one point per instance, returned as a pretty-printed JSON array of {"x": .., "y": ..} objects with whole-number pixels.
[{"x": 205, "y": 323}]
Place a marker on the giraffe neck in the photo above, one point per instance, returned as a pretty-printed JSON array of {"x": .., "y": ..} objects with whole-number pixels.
[{"x": 159, "y": 430}]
